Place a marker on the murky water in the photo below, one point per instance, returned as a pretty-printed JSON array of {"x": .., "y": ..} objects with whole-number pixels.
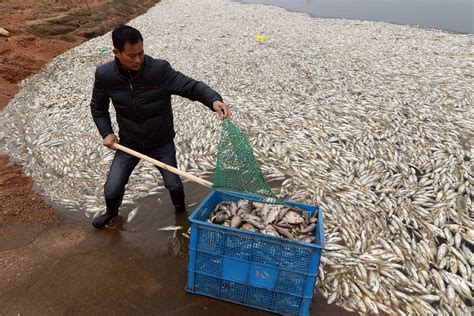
[
  {"x": 157, "y": 211},
  {"x": 154, "y": 212},
  {"x": 453, "y": 15}
]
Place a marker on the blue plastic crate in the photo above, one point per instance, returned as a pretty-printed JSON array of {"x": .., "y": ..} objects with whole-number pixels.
[{"x": 252, "y": 269}]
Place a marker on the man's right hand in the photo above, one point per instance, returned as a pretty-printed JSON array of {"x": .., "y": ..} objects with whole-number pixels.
[{"x": 109, "y": 141}]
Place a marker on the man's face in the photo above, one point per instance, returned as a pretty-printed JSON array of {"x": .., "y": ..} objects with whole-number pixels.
[{"x": 131, "y": 57}]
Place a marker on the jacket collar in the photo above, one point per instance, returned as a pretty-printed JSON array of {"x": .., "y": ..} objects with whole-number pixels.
[{"x": 129, "y": 74}]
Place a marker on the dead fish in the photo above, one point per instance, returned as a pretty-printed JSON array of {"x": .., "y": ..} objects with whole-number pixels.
[
  {"x": 220, "y": 217},
  {"x": 236, "y": 221},
  {"x": 132, "y": 214},
  {"x": 252, "y": 221},
  {"x": 245, "y": 205},
  {"x": 309, "y": 229},
  {"x": 284, "y": 232},
  {"x": 170, "y": 228},
  {"x": 264, "y": 210},
  {"x": 283, "y": 211},
  {"x": 270, "y": 230},
  {"x": 272, "y": 215},
  {"x": 249, "y": 227},
  {"x": 293, "y": 218}
]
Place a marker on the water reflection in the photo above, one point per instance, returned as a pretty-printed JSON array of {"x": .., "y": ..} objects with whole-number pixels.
[
  {"x": 154, "y": 212},
  {"x": 453, "y": 15}
]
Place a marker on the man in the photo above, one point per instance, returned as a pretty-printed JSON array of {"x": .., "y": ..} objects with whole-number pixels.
[{"x": 140, "y": 88}]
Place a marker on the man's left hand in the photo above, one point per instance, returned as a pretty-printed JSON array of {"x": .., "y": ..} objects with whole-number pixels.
[{"x": 221, "y": 108}]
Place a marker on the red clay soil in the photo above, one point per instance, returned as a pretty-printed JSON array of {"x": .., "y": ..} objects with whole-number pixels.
[{"x": 41, "y": 30}]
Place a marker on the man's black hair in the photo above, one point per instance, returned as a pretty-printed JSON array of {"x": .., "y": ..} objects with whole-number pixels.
[{"x": 125, "y": 34}]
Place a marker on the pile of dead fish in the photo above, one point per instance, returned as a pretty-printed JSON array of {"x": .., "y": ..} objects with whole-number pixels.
[
  {"x": 373, "y": 122},
  {"x": 275, "y": 220}
]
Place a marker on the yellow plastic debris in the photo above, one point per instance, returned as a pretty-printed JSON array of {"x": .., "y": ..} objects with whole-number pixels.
[{"x": 260, "y": 37}]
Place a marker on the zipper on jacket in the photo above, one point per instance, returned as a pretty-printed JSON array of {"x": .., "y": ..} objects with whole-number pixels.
[
  {"x": 135, "y": 106},
  {"x": 133, "y": 97}
]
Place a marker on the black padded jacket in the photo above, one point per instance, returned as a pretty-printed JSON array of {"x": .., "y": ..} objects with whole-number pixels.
[{"x": 142, "y": 101}]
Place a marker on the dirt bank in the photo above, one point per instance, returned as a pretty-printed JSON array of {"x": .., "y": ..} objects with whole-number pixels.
[{"x": 39, "y": 31}]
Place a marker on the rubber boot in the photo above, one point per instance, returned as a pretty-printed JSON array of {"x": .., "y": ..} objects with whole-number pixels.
[
  {"x": 112, "y": 211},
  {"x": 177, "y": 197}
]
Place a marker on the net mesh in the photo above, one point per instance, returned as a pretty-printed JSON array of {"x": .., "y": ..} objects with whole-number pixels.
[{"x": 237, "y": 170}]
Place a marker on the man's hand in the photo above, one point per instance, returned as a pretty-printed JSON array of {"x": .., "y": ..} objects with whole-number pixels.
[
  {"x": 221, "y": 108},
  {"x": 109, "y": 141}
]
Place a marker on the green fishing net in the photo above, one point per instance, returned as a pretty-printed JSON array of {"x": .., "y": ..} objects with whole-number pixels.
[{"x": 237, "y": 170}]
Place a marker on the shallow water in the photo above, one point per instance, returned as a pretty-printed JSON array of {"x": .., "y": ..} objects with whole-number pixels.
[
  {"x": 453, "y": 16},
  {"x": 156, "y": 211}
]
